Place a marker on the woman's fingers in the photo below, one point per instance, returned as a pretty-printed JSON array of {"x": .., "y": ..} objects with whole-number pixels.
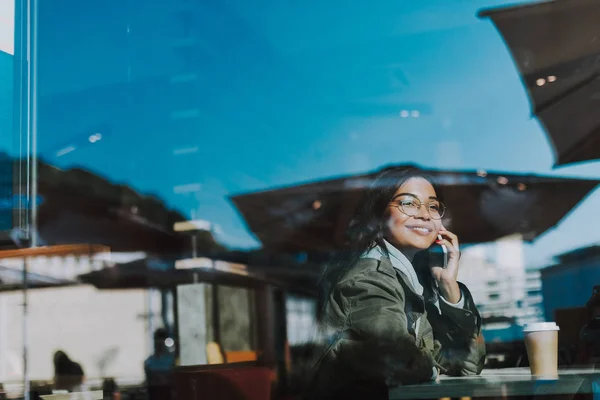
[
  {"x": 449, "y": 245},
  {"x": 451, "y": 237}
]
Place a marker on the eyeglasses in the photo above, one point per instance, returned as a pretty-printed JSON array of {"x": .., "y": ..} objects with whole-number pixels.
[{"x": 412, "y": 207}]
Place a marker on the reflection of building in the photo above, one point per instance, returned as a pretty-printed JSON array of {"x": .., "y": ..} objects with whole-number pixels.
[
  {"x": 301, "y": 319},
  {"x": 500, "y": 283},
  {"x": 109, "y": 331},
  {"x": 65, "y": 317},
  {"x": 569, "y": 283}
]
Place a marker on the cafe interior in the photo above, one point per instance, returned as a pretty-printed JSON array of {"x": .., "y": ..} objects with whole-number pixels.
[{"x": 176, "y": 177}]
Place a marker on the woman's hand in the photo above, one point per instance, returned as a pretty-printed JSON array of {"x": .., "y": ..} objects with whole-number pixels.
[{"x": 446, "y": 277}]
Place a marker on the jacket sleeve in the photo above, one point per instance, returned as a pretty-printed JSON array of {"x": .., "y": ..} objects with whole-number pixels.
[
  {"x": 379, "y": 342},
  {"x": 459, "y": 348}
]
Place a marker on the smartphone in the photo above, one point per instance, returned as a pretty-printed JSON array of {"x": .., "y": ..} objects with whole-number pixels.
[
  {"x": 438, "y": 255},
  {"x": 444, "y": 251}
]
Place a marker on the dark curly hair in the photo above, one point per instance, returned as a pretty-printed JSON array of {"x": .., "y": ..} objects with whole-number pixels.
[{"x": 366, "y": 229}]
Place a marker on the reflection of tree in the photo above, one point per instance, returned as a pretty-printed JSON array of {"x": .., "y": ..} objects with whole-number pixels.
[
  {"x": 78, "y": 181},
  {"x": 79, "y": 206},
  {"x": 6, "y": 191},
  {"x": 205, "y": 242}
]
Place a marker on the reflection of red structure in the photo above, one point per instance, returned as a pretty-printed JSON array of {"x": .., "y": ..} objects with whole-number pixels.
[{"x": 235, "y": 382}]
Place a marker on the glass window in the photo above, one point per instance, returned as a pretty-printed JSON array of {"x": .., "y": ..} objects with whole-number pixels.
[
  {"x": 229, "y": 144},
  {"x": 236, "y": 319},
  {"x": 7, "y": 93},
  {"x": 301, "y": 319}
]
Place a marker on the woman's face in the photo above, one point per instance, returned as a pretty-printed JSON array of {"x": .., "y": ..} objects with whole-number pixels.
[{"x": 418, "y": 231}]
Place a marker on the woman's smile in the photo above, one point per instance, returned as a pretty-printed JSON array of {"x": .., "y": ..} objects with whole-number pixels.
[{"x": 422, "y": 230}]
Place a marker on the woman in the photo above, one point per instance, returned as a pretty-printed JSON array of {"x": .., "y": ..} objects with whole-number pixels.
[{"x": 394, "y": 313}]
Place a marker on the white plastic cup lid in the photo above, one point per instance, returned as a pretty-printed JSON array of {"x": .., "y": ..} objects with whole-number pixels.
[{"x": 541, "y": 326}]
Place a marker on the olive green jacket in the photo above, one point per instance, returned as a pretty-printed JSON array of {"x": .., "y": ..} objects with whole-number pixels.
[{"x": 372, "y": 315}]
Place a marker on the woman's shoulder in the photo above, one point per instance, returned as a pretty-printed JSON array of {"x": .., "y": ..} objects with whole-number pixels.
[{"x": 369, "y": 268}]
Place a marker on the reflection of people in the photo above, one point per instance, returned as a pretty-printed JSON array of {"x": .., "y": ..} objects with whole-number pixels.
[
  {"x": 159, "y": 367},
  {"x": 68, "y": 375},
  {"x": 589, "y": 336},
  {"x": 37, "y": 390},
  {"x": 395, "y": 315},
  {"x": 110, "y": 389}
]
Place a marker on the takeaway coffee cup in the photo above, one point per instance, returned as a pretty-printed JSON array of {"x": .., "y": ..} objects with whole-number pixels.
[{"x": 541, "y": 340}]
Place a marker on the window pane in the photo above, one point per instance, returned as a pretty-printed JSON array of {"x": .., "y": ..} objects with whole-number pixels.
[
  {"x": 236, "y": 318},
  {"x": 231, "y": 144},
  {"x": 7, "y": 116}
]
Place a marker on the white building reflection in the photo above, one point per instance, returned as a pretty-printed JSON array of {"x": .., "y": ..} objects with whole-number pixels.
[{"x": 500, "y": 282}]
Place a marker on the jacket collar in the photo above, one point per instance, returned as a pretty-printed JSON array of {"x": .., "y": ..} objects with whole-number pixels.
[{"x": 400, "y": 263}]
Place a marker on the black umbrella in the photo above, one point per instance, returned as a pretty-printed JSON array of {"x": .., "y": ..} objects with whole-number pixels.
[
  {"x": 138, "y": 274},
  {"x": 159, "y": 274},
  {"x": 482, "y": 207},
  {"x": 12, "y": 279},
  {"x": 556, "y": 48}
]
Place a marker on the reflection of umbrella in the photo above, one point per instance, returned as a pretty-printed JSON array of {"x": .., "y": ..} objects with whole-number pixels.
[
  {"x": 482, "y": 207},
  {"x": 138, "y": 274},
  {"x": 12, "y": 279},
  {"x": 150, "y": 273},
  {"x": 556, "y": 47}
]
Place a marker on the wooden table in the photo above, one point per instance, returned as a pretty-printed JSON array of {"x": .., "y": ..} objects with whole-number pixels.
[
  {"x": 501, "y": 383},
  {"x": 95, "y": 395}
]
